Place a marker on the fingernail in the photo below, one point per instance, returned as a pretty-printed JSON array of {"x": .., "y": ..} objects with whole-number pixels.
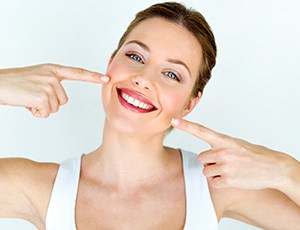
[
  {"x": 175, "y": 122},
  {"x": 104, "y": 78}
]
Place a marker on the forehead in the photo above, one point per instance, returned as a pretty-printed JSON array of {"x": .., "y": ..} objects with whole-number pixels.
[{"x": 169, "y": 40}]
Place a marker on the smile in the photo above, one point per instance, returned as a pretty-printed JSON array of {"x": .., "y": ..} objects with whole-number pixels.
[{"x": 134, "y": 101}]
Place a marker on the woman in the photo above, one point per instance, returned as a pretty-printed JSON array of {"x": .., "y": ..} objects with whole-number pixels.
[{"x": 154, "y": 79}]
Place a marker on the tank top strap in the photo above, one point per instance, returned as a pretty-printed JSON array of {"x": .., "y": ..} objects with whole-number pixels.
[
  {"x": 200, "y": 212},
  {"x": 61, "y": 208}
]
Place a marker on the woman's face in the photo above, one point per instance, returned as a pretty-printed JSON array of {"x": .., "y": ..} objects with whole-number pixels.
[{"x": 152, "y": 77}]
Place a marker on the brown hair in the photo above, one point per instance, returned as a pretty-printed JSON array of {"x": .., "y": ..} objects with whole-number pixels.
[{"x": 194, "y": 22}]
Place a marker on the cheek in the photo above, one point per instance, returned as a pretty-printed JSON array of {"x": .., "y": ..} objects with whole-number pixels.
[
  {"x": 173, "y": 104},
  {"x": 117, "y": 71}
]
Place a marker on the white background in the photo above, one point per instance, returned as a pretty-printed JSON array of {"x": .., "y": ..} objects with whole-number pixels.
[{"x": 253, "y": 94}]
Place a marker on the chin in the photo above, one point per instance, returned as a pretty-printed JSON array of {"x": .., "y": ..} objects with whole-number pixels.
[
  {"x": 123, "y": 125},
  {"x": 133, "y": 127}
]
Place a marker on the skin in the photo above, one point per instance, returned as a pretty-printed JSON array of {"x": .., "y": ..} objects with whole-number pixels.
[
  {"x": 118, "y": 162},
  {"x": 248, "y": 182},
  {"x": 131, "y": 170},
  {"x": 39, "y": 89}
]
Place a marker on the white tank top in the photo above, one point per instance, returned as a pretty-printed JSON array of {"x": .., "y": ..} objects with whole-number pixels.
[{"x": 200, "y": 213}]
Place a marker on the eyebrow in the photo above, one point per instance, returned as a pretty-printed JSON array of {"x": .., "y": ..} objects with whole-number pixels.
[
  {"x": 144, "y": 46},
  {"x": 178, "y": 62},
  {"x": 174, "y": 61}
]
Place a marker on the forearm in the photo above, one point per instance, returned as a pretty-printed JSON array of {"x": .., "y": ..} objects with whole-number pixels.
[
  {"x": 2, "y": 74},
  {"x": 7, "y": 86},
  {"x": 291, "y": 186}
]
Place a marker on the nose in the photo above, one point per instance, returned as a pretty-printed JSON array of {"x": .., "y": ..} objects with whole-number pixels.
[{"x": 143, "y": 82}]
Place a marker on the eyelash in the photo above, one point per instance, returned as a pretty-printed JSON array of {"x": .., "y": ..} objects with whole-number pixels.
[
  {"x": 137, "y": 58},
  {"x": 173, "y": 76}
]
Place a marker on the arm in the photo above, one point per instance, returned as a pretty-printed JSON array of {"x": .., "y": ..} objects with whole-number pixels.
[
  {"x": 291, "y": 186},
  {"x": 248, "y": 182},
  {"x": 11, "y": 194},
  {"x": 264, "y": 208},
  {"x": 25, "y": 186},
  {"x": 25, "y": 189},
  {"x": 39, "y": 89}
]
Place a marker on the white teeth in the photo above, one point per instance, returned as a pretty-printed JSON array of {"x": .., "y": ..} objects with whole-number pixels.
[
  {"x": 135, "y": 102},
  {"x": 126, "y": 96},
  {"x": 144, "y": 106},
  {"x": 130, "y": 100}
]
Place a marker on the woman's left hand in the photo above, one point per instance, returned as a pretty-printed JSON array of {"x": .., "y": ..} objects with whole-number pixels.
[{"x": 232, "y": 162}]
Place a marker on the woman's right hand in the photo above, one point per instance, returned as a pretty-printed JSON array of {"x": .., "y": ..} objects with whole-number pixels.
[{"x": 39, "y": 89}]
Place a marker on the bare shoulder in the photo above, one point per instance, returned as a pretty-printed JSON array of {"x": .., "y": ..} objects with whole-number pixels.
[
  {"x": 264, "y": 208},
  {"x": 26, "y": 171},
  {"x": 25, "y": 188},
  {"x": 25, "y": 164}
]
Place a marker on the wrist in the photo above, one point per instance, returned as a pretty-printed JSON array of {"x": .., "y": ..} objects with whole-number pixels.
[{"x": 291, "y": 177}]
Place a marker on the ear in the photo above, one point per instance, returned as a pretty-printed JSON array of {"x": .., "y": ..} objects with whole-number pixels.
[{"x": 191, "y": 103}]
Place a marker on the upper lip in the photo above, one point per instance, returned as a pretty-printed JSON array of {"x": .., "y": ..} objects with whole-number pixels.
[{"x": 137, "y": 95}]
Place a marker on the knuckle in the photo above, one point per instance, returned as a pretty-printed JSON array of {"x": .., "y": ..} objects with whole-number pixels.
[
  {"x": 55, "y": 110},
  {"x": 225, "y": 170},
  {"x": 42, "y": 114},
  {"x": 64, "y": 101},
  {"x": 53, "y": 68},
  {"x": 46, "y": 115},
  {"x": 49, "y": 68},
  {"x": 223, "y": 155},
  {"x": 48, "y": 65},
  {"x": 48, "y": 89},
  {"x": 42, "y": 99},
  {"x": 45, "y": 66},
  {"x": 52, "y": 80},
  {"x": 216, "y": 182},
  {"x": 205, "y": 171}
]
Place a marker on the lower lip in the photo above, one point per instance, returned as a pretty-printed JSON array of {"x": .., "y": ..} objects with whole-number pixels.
[{"x": 130, "y": 106}]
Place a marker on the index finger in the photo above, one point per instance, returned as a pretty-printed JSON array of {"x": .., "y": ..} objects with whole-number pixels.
[
  {"x": 79, "y": 74},
  {"x": 209, "y": 136}
]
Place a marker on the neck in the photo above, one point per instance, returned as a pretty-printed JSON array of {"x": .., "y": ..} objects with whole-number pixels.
[{"x": 129, "y": 161}]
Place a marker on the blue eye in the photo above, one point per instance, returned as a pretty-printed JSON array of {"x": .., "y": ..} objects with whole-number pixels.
[
  {"x": 172, "y": 76},
  {"x": 135, "y": 57}
]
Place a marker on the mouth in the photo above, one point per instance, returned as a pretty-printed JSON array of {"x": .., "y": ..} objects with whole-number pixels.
[{"x": 135, "y": 102}]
